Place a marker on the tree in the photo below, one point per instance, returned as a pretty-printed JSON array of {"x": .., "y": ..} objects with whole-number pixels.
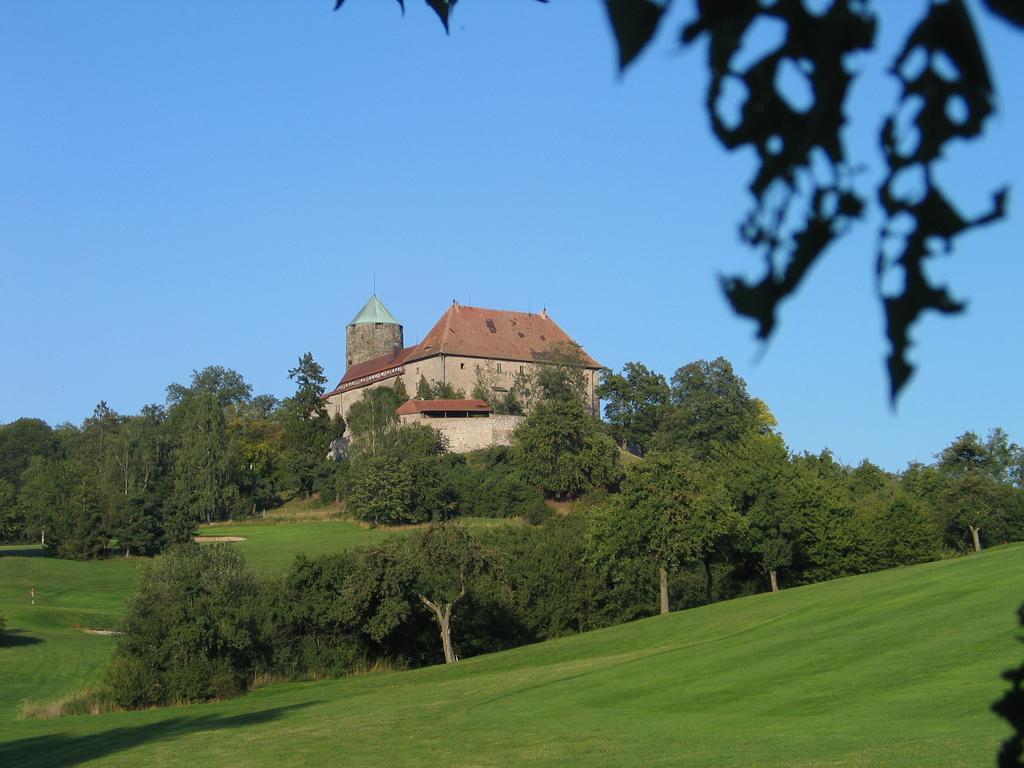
[
  {"x": 372, "y": 418},
  {"x": 11, "y": 524},
  {"x": 978, "y": 492},
  {"x": 803, "y": 190},
  {"x": 202, "y": 465},
  {"x": 756, "y": 473},
  {"x": 895, "y": 529},
  {"x": 308, "y": 430},
  {"x": 423, "y": 389},
  {"x": 226, "y": 385},
  {"x": 671, "y": 510},
  {"x": 20, "y": 441},
  {"x": 382, "y": 488},
  {"x": 635, "y": 403},
  {"x": 192, "y": 631},
  {"x": 710, "y": 409},
  {"x": 446, "y": 560},
  {"x": 437, "y": 390},
  {"x": 560, "y": 448},
  {"x": 975, "y": 501},
  {"x": 826, "y": 534}
]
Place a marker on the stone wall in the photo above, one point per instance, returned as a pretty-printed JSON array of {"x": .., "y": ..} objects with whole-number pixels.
[
  {"x": 470, "y": 433},
  {"x": 461, "y": 373},
  {"x": 365, "y": 341}
]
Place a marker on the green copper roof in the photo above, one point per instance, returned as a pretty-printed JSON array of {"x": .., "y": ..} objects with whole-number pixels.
[{"x": 374, "y": 312}]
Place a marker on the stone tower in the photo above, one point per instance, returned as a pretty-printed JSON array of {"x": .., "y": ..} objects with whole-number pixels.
[{"x": 373, "y": 332}]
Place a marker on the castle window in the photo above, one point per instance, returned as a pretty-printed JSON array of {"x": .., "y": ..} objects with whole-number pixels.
[
  {"x": 378, "y": 325},
  {"x": 461, "y": 366},
  {"x": 499, "y": 367},
  {"x": 521, "y": 368}
]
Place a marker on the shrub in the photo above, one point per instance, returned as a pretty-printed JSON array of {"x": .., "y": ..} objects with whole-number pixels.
[
  {"x": 316, "y": 632},
  {"x": 193, "y": 630}
]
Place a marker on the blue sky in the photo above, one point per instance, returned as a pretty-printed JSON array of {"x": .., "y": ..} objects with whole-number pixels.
[{"x": 196, "y": 183}]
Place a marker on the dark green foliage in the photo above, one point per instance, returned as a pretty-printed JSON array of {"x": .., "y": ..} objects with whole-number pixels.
[
  {"x": 896, "y": 529},
  {"x": 635, "y": 403},
  {"x": 1011, "y": 709},
  {"x": 372, "y": 419},
  {"x": 204, "y": 465},
  {"x": 19, "y": 442},
  {"x": 561, "y": 448},
  {"x": 308, "y": 431},
  {"x": 403, "y": 480},
  {"x": 225, "y": 385},
  {"x": 142, "y": 527},
  {"x": 60, "y": 504},
  {"x": 488, "y": 485},
  {"x": 11, "y": 525},
  {"x": 437, "y": 390},
  {"x": 316, "y": 631},
  {"x": 193, "y": 630},
  {"x": 672, "y": 510},
  {"x": 555, "y": 589},
  {"x": 710, "y": 409},
  {"x": 381, "y": 491}
]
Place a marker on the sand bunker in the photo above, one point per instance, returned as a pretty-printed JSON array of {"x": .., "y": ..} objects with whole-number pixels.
[
  {"x": 99, "y": 631},
  {"x": 209, "y": 539}
]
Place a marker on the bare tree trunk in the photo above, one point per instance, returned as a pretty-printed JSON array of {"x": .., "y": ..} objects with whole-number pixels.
[
  {"x": 775, "y": 581},
  {"x": 977, "y": 540},
  {"x": 707, "y": 572},
  {"x": 663, "y": 584},
  {"x": 443, "y": 615}
]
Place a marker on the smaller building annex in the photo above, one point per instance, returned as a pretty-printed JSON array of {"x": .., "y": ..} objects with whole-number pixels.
[{"x": 467, "y": 425}]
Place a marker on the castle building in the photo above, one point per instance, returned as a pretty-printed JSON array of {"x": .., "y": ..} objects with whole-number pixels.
[{"x": 466, "y": 346}]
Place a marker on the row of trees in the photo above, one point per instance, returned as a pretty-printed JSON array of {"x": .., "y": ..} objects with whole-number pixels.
[
  {"x": 137, "y": 484},
  {"x": 205, "y": 625}
]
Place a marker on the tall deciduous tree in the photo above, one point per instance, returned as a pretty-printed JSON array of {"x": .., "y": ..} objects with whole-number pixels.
[
  {"x": 372, "y": 419},
  {"x": 672, "y": 510},
  {"x": 710, "y": 408},
  {"x": 980, "y": 475},
  {"x": 446, "y": 561},
  {"x": 20, "y": 441},
  {"x": 636, "y": 400},
  {"x": 757, "y": 474},
  {"x": 202, "y": 465},
  {"x": 560, "y": 448},
  {"x": 308, "y": 430},
  {"x": 226, "y": 385}
]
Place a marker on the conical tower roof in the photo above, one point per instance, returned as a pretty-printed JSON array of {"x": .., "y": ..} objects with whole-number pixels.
[{"x": 374, "y": 311}]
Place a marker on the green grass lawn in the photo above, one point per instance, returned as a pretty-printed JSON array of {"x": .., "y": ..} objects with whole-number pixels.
[
  {"x": 893, "y": 668},
  {"x": 46, "y": 654},
  {"x": 274, "y": 546}
]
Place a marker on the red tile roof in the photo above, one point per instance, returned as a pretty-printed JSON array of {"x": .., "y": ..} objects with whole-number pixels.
[
  {"x": 435, "y": 406},
  {"x": 374, "y": 369},
  {"x": 497, "y": 334}
]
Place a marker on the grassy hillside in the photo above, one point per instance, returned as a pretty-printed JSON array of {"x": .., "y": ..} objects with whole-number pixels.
[
  {"x": 47, "y": 654},
  {"x": 892, "y": 668}
]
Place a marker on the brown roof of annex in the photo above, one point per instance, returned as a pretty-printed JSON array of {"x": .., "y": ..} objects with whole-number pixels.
[
  {"x": 443, "y": 406},
  {"x": 496, "y": 334}
]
